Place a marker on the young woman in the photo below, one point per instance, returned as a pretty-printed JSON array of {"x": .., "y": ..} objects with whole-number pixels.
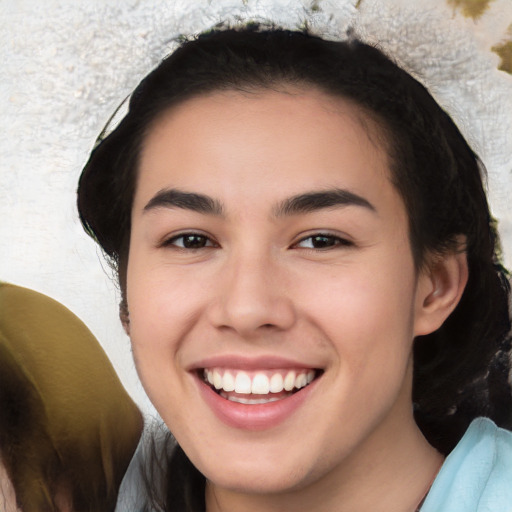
[{"x": 309, "y": 280}]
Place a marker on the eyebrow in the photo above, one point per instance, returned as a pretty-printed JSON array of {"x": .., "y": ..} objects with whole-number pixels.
[
  {"x": 313, "y": 201},
  {"x": 174, "y": 198},
  {"x": 295, "y": 205}
]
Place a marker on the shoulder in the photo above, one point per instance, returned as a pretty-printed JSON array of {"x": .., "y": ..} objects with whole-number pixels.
[{"x": 477, "y": 475}]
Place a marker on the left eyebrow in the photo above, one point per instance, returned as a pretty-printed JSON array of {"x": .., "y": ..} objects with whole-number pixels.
[
  {"x": 174, "y": 198},
  {"x": 313, "y": 201}
]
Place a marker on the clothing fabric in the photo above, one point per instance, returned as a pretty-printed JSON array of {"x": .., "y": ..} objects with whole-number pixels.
[
  {"x": 477, "y": 475},
  {"x": 133, "y": 495}
]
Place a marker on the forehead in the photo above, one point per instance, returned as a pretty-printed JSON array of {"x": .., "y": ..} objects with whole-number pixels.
[{"x": 263, "y": 142}]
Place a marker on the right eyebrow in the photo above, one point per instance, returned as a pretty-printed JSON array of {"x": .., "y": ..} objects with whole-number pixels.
[
  {"x": 318, "y": 200},
  {"x": 174, "y": 198}
]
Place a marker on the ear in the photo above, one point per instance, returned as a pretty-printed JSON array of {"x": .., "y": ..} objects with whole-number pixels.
[{"x": 439, "y": 289}]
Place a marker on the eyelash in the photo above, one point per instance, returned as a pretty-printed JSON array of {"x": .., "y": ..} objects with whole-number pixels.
[
  {"x": 330, "y": 242},
  {"x": 208, "y": 242},
  {"x": 327, "y": 241}
]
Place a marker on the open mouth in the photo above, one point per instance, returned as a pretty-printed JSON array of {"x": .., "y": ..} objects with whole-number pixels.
[{"x": 259, "y": 387}]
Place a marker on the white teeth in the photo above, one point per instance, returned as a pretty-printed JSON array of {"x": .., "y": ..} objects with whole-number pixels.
[
  {"x": 243, "y": 400},
  {"x": 301, "y": 381},
  {"x": 289, "y": 381},
  {"x": 217, "y": 379},
  {"x": 228, "y": 382},
  {"x": 260, "y": 384},
  {"x": 242, "y": 383},
  {"x": 276, "y": 383}
]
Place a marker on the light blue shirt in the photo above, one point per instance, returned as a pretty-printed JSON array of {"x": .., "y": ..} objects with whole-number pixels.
[{"x": 477, "y": 475}]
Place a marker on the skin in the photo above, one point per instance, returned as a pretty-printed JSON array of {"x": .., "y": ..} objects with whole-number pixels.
[{"x": 261, "y": 287}]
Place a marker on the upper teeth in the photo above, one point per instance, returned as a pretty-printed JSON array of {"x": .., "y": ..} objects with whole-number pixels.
[{"x": 259, "y": 383}]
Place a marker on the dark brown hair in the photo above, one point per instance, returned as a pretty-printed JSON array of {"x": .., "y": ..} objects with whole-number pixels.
[{"x": 461, "y": 370}]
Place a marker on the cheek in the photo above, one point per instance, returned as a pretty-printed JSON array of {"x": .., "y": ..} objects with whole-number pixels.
[
  {"x": 367, "y": 314},
  {"x": 157, "y": 330},
  {"x": 368, "y": 318},
  {"x": 160, "y": 299},
  {"x": 167, "y": 309},
  {"x": 159, "y": 313}
]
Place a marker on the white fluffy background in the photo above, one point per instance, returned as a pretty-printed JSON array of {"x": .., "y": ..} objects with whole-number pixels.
[{"x": 66, "y": 65}]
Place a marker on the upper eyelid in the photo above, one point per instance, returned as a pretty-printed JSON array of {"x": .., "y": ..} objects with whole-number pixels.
[
  {"x": 340, "y": 242},
  {"x": 326, "y": 233},
  {"x": 187, "y": 231},
  {"x": 167, "y": 240}
]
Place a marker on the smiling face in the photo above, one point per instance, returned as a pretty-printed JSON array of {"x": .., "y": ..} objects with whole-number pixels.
[{"x": 271, "y": 287}]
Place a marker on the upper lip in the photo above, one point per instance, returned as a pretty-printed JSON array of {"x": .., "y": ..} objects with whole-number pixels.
[{"x": 242, "y": 362}]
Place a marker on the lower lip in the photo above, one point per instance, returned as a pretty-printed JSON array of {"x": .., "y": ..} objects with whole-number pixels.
[{"x": 256, "y": 416}]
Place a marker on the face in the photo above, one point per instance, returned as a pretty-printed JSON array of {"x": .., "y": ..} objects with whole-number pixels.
[{"x": 271, "y": 287}]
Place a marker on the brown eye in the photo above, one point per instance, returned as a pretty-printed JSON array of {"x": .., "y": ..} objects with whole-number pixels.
[
  {"x": 190, "y": 241},
  {"x": 322, "y": 241}
]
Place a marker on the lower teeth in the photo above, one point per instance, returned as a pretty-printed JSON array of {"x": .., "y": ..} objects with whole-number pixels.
[{"x": 251, "y": 401}]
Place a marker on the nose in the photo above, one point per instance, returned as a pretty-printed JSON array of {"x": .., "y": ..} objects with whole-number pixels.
[{"x": 252, "y": 297}]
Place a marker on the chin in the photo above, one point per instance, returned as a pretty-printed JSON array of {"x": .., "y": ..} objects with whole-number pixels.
[
  {"x": 261, "y": 468},
  {"x": 261, "y": 479}
]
